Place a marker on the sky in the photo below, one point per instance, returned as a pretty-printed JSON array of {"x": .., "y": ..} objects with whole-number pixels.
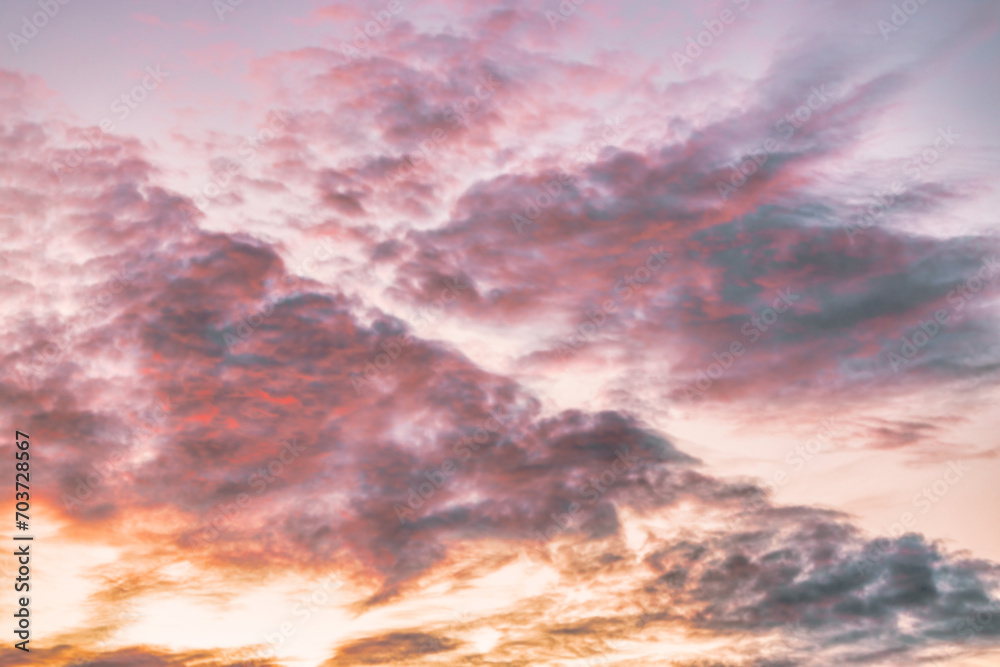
[{"x": 576, "y": 333}]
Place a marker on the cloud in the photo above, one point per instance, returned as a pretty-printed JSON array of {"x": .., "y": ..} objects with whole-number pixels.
[{"x": 311, "y": 427}]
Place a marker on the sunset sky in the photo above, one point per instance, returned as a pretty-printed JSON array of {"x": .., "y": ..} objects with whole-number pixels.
[{"x": 452, "y": 332}]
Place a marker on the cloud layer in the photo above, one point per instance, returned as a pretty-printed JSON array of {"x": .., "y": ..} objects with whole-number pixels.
[{"x": 322, "y": 358}]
